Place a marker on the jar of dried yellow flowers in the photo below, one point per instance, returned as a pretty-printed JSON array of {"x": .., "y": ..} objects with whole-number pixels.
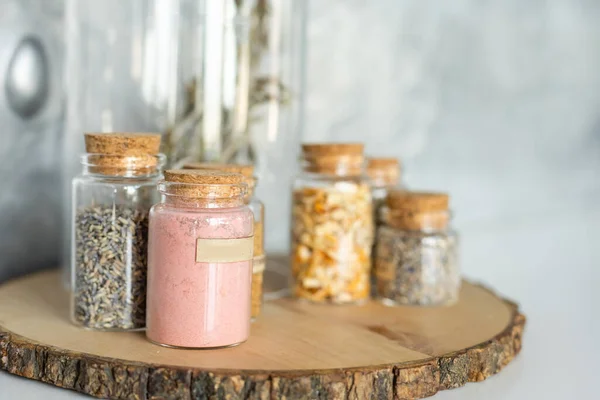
[{"x": 332, "y": 225}]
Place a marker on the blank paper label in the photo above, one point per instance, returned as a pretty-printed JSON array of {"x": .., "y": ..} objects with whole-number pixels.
[{"x": 224, "y": 250}]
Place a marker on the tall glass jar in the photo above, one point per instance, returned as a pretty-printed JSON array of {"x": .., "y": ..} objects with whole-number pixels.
[
  {"x": 416, "y": 256},
  {"x": 200, "y": 261},
  {"x": 258, "y": 210},
  {"x": 222, "y": 79},
  {"x": 332, "y": 225},
  {"x": 111, "y": 201}
]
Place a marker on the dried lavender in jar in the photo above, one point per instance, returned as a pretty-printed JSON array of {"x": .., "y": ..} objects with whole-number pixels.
[
  {"x": 416, "y": 260},
  {"x": 110, "y": 267},
  {"x": 112, "y": 199}
]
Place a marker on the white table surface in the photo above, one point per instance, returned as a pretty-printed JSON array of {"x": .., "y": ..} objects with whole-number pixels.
[{"x": 547, "y": 265}]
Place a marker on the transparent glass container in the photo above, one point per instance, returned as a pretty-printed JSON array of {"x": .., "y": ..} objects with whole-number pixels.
[
  {"x": 416, "y": 258},
  {"x": 200, "y": 264},
  {"x": 275, "y": 117},
  {"x": 110, "y": 240},
  {"x": 384, "y": 174},
  {"x": 332, "y": 227}
]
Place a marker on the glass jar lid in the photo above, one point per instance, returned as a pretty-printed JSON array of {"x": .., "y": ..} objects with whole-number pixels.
[
  {"x": 383, "y": 171},
  {"x": 412, "y": 210},
  {"x": 341, "y": 159},
  {"x": 211, "y": 187},
  {"x": 122, "y": 154}
]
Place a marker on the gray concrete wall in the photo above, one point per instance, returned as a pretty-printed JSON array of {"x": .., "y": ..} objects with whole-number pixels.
[{"x": 30, "y": 141}]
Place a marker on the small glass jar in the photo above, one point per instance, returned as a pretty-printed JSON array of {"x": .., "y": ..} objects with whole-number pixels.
[
  {"x": 332, "y": 225},
  {"x": 111, "y": 202},
  {"x": 258, "y": 210},
  {"x": 384, "y": 174},
  {"x": 200, "y": 261},
  {"x": 416, "y": 256}
]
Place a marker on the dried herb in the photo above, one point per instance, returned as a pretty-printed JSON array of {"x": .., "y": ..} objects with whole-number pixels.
[
  {"x": 418, "y": 268},
  {"x": 110, "y": 268},
  {"x": 184, "y": 141}
]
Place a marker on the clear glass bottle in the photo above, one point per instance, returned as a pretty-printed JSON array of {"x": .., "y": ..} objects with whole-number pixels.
[
  {"x": 275, "y": 118},
  {"x": 332, "y": 225},
  {"x": 416, "y": 256},
  {"x": 200, "y": 261},
  {"x": 111, "y": 201}
]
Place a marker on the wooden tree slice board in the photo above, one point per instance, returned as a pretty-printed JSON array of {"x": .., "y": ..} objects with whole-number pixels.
[{"x": 296, "y": 350}]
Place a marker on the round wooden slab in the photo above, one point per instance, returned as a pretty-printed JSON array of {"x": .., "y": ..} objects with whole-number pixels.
[{"x": 296, "y": 350}]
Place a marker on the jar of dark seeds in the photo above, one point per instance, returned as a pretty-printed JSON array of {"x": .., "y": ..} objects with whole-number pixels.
[
  {"x": 111, "y": 201},
  {"x": 416, "y": 255}
]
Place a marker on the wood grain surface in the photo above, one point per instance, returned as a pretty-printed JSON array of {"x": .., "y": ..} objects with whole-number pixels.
[{"x": 296, "y": 350}]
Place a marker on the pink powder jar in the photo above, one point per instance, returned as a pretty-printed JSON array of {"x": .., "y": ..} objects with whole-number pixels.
[{"x": 200, "y": 251}]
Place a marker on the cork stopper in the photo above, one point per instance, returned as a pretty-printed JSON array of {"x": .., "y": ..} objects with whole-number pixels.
[
  {"x": 416, "y": 210},
  {"x": 342, "y": 159},
  {"x": 221, "y": 188},
  {"x": 383, "y": 171},
  {"x": 122, "y": 154},
  {"x": 332, "y": 149},
  {"x": 247, "y": 170},
  {"x": 122, "y": 143}
]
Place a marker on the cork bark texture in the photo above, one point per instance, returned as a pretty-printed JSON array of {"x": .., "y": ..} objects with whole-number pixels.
[{"x": 117, "y": 379}]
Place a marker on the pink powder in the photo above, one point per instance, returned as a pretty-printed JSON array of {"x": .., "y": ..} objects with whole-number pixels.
[{"x": 196, "y": 304}]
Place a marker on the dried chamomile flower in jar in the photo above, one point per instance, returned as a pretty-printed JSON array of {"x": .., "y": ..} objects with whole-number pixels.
[{"x": 332, "y": 225}]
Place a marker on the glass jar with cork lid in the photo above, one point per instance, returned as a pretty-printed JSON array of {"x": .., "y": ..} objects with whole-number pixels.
[
  {"x": 332, "y": 225},
  {"x": 111, "y": 201},
  {"x": 384, "y": 173},
  {"x": 257, "y": 207},
  {"x": 416, "y": 256},
  {"x": 200, "y": 261}
]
